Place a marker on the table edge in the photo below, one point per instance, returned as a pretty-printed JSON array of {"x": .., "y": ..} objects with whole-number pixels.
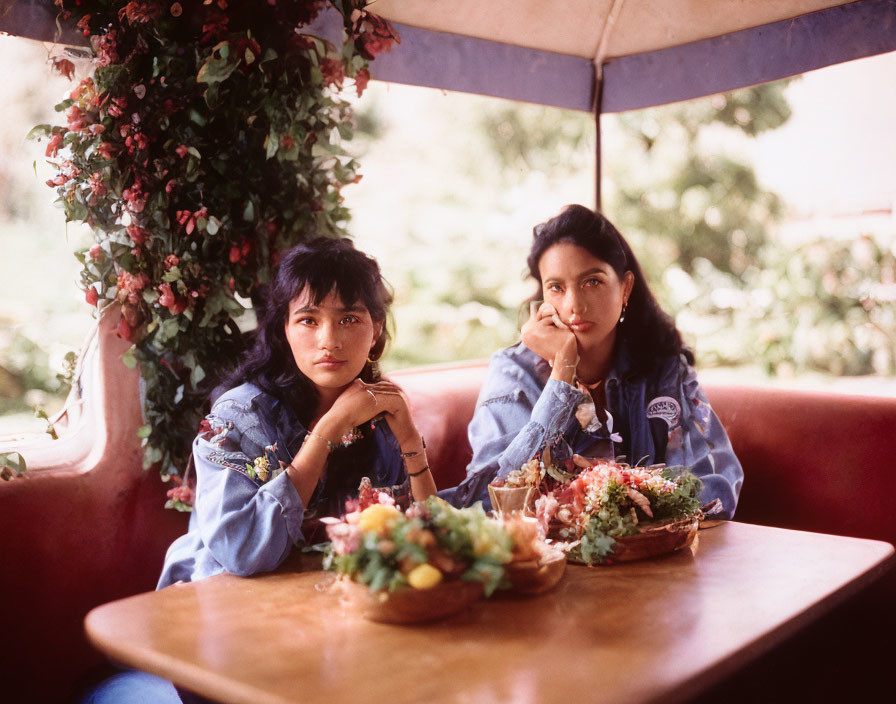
[{"x": 714, "y": 675}]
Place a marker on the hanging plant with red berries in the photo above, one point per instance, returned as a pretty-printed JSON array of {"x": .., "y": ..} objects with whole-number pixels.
[{"x": 204, "y": 142}]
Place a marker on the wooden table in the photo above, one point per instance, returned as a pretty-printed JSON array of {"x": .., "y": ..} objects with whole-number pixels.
[{"x": 636, "y": 632}]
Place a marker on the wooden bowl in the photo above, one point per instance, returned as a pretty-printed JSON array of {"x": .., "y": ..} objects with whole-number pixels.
[
  {"x": 409, "y": 605},
  {"x": 536, "y": 576},
  {"x": 653, "y": 541}
]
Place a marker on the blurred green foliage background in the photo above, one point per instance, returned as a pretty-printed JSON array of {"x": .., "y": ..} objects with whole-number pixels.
[{"x": 453, "y": 185}]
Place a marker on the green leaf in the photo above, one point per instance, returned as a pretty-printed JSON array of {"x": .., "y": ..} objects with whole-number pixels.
[
  {"x": 39, "y": 131},
  {"x": 197, "y": 375},
  {"x": 144, "y": 431},
  {"x": 217, "y": 69},
  {"x": 129, "y": 358},
  {"x": 12, "y": 465},
  {"x": 271, "y": 144},
  {"x": 197, "y": 118}
]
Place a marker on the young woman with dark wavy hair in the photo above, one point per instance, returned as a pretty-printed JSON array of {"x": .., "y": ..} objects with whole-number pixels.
[
  {"x": 305, "y": 416},
  {"x": 599, "y": 366}
]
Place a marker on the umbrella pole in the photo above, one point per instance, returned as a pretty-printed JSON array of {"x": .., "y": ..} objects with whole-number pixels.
[{"x": 598, "y": 95}]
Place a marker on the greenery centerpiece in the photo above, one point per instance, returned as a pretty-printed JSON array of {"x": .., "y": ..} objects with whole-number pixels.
[
  {"x": 594, "y": 508},
  {"x": 205, "y": 141}
]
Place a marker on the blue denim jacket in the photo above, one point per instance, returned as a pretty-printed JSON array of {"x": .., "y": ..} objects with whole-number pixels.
[
  {"x": 662, "y": 418},
  {"x": 244, "y": 524}
]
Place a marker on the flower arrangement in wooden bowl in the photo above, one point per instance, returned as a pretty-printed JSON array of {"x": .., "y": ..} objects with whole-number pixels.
[
  {"x": 433, "y": 560},
  {"x": 602, "y": 511}
]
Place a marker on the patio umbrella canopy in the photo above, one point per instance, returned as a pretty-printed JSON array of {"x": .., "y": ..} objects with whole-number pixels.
[{"x": 645, "y": 52}]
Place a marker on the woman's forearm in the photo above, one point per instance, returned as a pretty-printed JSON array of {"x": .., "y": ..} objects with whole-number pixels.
[
  {"x": 308, "y": 465},
  {"x": 417, "y": 467}
]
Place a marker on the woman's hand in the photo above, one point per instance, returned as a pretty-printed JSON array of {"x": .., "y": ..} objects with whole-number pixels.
[
  {"x": 547, "y": 336},
  {"x": 354, "y": 406},
  {"x": 360, "y": 402},
  {"x": 392, "y": 401}
]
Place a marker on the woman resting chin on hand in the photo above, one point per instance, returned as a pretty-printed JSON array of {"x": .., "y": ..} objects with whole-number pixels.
[
  {"x": 306, "y": 417},
  {"x": 599, "y": 367}
]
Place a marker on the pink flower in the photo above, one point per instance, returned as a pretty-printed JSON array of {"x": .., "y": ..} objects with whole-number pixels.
[
  {"x": 240, "y": 253},
  {"x": 184, "y": 494},
  {"x": 130, "y": 285},
  {"x": 333, "y": 72},
  {"x": 182, "y": 151},
  {"x": 84, "y": 25},
  {"x": 117, "y": 106},
  {"x": 167, "y": 297},
  {"x": 140, "y": 12},
  {"x": 170, "y": 301},
  {"x": 96, "y": 252},
  {"x": 97, "y": 188},
  {"x": 346, "y": 538},
  {"x": 376, "y": 35},
  {"x": 84, "y": 88},
  {"x": 134, "y": 197},
  {"x": 58, "y": 180},
  {"x": 136, "y": 142},
  {"x": 186, "y": 219},
  {"x": 214, "y": 28},
  {"x": 137, "y": 234},
  {"x": 91, "y": 296},
  {"x": 171, "y": 261},
  {"x": 361, "y": 80},
  {"x": 124, "y": 331},
  {"x": 53, "y": 145},
  {"x": 77, "y": 119},
  {"x": 106, "y": 48}
]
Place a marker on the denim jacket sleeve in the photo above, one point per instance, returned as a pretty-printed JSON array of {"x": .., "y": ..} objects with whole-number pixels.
[
  {"x": 514, "y": 416},
  {"x": 702, "y": 444},
  {"x": 248, "y": 524}
]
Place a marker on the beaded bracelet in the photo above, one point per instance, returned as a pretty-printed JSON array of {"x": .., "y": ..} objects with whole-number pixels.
[
  {"x": 417, "y": 474},
  {"x": 330, "y": 445}
]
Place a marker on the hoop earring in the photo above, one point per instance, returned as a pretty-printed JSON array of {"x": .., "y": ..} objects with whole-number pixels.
[{"x": 624, "y": 308}]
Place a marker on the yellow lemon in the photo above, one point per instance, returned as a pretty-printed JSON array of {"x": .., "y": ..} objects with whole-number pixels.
[
  {"x": 378, "y": 518},
  {"x": 424, "y": 576}
]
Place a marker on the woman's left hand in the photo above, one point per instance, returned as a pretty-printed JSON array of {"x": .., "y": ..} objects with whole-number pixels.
[
  {"x": 390, "y": 400},
  {"x": 393, "y": 402}
]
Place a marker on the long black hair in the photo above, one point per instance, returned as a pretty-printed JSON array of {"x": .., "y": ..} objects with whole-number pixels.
[
  {"x": 322, "y": 266},
  {"x": 649, "y": 331}
]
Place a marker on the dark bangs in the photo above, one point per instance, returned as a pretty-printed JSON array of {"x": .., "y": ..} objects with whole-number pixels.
[{"x": 349, "y": 279}]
